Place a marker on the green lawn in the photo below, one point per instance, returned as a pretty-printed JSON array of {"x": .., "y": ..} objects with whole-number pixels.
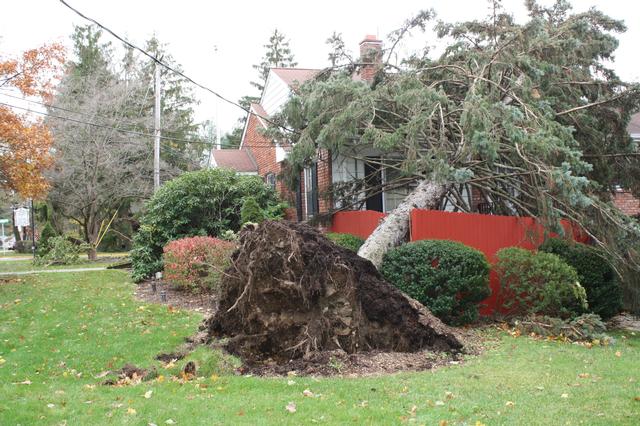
[{"x": 58, "y": 331}]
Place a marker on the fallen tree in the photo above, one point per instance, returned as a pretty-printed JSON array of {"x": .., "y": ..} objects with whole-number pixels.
[
  {"x": 290, "y": 293},
  {"x": 511, "y": 116}
]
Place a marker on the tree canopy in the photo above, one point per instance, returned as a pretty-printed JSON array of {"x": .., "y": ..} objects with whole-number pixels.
[
  {"x": 25, "y": 141},
  {"x": 531, "y": 115}
]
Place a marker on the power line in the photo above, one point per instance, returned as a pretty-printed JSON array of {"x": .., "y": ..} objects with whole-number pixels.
[
  {"x": 133, "y": 132},
  {"x": 57, "y": 107},
  {"x": 175, "y": 71}
]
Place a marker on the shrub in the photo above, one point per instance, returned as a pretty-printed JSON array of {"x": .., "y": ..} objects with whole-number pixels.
[
  {"x": 446, "y": 276},
  {"x": 594, "y": 272},
  {"x": 61, "y": 251},
  {"x": 201, "y": 203},
  {"x": 196, "y": 264},
  {"x": 347, "y": 241},
  {"x": 45, "y": 236},
  {"x": 251, "y": 211},
  {"x": 539, "y": 283}
]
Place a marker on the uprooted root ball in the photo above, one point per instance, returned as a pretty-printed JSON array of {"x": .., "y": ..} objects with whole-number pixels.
[{"x": 291, "y": 292}]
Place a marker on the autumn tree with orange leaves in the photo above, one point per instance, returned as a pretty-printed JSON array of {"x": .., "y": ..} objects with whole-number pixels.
[{"x": 25, "y": 141}]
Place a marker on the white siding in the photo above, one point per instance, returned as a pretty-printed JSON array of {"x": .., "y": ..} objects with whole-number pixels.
[{"x": 275, "y": 94}]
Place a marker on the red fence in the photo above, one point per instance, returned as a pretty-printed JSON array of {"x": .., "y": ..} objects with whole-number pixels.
[
  {"x": 487, "y": 233},
  {"x": 360, "y": 223}
]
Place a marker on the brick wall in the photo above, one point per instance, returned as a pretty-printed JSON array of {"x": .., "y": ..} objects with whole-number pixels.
[
  {"x": 325, "y": 201},
  {"x": 626, "y": 202},
  {"x": 264, "y": 154}
]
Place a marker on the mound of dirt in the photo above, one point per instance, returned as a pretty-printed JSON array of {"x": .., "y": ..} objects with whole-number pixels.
[{"x": 291, "y": 292}]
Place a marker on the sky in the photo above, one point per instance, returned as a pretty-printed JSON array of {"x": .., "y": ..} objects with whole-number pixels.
[{"x": 217, "y": 42}]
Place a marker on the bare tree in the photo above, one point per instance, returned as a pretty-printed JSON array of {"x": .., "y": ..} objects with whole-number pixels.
[{"x": 102, "y": 163}]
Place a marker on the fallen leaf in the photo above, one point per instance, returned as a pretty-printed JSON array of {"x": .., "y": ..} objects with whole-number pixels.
[
  {"x": 291, "y": 382},
  {"x": 26, "y": 382},
  {"x": 51, "y": 405},
  {"x": 439, "y": 403},
  {"x": 131, "y": 411},
  {"x": 618, "y": 354},
  {"x": 307, "y": 393},
  {"x": 448, "y": 395},
  {"x": 564, "y": 395},
  {"x": 443, "y": 423},
  {"x": 479, "y": 423},
  {"x": 510, "y": 403},
  {"x": 413, "y": 410},
  {"x": 214, "y": 377},
  {"x": 170, "y": 422},
  {"x": 364, "y": 404},
  {"x": 147, "y": 394},
  {"x": 583, "y": 375},
  {"x": 291, "y": 407},
  {"x": 160, "y": 378},
  {"x": 637, "y": 398}
]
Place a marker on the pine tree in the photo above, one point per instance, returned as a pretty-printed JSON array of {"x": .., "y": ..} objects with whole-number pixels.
[
  {"x": 278, "y": 54},
  {"x": 530, "y": 115}
]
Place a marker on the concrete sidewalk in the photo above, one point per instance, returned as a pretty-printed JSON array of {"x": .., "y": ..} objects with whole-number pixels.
[{"x": 51, "y": 271}]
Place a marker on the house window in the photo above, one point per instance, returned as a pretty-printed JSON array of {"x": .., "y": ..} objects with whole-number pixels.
[
  {"x": 395, "y": 191},
  {"x": 311, "y": 190},
  {"x": 270, "y": 179}
]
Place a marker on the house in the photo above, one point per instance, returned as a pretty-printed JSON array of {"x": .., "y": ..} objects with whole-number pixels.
[
  {"x": 362, "y": 172},
  {"x": 623, "y": 199},
  {"x": 259, "y": 155}
]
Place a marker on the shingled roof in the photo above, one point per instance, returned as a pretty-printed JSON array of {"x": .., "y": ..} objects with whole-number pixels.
[
  {"x": 236, "y": 159},
  {"x": 294, "y": 77}
]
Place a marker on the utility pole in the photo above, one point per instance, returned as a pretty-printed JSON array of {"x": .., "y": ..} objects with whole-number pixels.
[
  {"x": 33, "y": 232},
  {"x": 218, "y": 141},
  {"x": 156, "y": 125}
]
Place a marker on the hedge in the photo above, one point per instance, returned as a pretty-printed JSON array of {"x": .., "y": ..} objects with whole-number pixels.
[{"x": 447, "y": 277}]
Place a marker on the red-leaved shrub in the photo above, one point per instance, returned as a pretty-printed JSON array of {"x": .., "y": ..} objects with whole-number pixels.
[{"x": 196, "y": 263}]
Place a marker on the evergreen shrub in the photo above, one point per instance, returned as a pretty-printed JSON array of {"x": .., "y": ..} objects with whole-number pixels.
[
  {"x": 594, "y": 272},
  {"x": 447, "y": 277},
  {"x": 347, "y": 241},
  {"x": 539, "y": 283}
]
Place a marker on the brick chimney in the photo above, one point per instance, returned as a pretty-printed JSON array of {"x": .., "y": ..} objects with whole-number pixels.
[{"x": 370, "y": 57}]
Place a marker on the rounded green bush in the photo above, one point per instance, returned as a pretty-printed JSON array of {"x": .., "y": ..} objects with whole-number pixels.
[
  {"x": 347, "y": 241},
  {"x": 594, "y": 272},
  {"x": 539, "y": 283},
  {"x": 46, "y": 235},
  {"x": 251, "y": 211},
  {"x": 447, "y": 277},
  {"x": 202, "y": 203}
]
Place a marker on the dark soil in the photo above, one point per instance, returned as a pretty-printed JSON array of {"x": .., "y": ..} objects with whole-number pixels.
[{"x": 291, "y": 294}]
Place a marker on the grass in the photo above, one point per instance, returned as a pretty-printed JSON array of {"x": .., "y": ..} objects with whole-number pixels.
[{"x": 59, "y": 331}]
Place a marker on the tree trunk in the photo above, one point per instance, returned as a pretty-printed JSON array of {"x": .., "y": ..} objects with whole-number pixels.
[
  {"x": 92, "y": 253},
  {"x": 393, "y": 229}
]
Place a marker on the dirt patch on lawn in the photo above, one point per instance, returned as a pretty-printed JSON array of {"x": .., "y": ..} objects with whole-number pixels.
[
  {"x": 203, "y": 303},
  {"x": 367, "y": 363}
]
